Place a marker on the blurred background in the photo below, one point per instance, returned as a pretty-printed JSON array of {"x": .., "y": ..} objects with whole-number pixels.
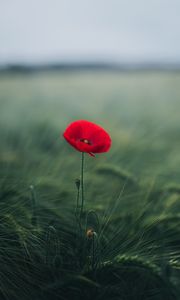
[
  {"x": 120, "y": 32},
  {"x": 115, "y": 63}
]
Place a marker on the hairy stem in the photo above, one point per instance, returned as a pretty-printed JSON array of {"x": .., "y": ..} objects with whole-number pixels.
[{"x": 82, "y": 184}]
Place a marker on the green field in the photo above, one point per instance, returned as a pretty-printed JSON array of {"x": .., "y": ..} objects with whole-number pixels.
[{"x": 132, "y": 193}]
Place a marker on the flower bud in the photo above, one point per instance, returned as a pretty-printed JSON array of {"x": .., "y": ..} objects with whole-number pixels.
[{"x": 77, "y": 182}]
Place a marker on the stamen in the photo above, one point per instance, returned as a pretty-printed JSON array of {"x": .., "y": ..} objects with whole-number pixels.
[{"x": 85, "y": 141}]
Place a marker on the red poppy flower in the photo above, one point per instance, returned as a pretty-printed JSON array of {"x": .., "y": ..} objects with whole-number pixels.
[{"x": 88, "y": 137}]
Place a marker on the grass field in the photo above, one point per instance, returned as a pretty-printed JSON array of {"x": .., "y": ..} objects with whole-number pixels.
[{"x": 132, "y": 193}]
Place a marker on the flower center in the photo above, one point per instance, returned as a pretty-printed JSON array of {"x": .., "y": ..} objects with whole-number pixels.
[{"x": 85, "y": 141}]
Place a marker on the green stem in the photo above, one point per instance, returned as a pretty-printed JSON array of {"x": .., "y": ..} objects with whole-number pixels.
[
  {"x": 93, "y": 252},
  {"x": 82, "y": 183},
  {"x": 77, "y": 201},
  {"x": 33, "y": 199}
]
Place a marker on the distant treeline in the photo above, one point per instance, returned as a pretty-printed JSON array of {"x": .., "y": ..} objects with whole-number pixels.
[{"x": 124, "y": 67}]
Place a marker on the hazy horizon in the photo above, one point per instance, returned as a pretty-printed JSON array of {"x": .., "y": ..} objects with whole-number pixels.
[{"x": 114, "y": 31}]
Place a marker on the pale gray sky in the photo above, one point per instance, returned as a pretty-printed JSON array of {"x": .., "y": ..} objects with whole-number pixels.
[{"x": 113, "y": 30}]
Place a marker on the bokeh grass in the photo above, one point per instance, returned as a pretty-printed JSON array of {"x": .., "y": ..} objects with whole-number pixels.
[{"x": 134, "y": 189}]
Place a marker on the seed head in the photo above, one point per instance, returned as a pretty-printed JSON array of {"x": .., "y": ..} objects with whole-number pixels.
[{"x": 90, "y": 233}]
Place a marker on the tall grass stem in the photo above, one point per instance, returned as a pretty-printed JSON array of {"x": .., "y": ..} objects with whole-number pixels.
[{"x": 33, "y": 201}]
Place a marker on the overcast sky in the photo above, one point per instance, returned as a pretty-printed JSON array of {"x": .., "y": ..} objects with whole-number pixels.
[{"x": 106, "y": 30}]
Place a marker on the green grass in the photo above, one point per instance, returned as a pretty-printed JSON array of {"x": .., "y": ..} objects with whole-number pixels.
[{"x": 132, "y": 193}]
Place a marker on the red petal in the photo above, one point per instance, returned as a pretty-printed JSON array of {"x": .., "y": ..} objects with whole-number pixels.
[{"x": 78, "y": 131}]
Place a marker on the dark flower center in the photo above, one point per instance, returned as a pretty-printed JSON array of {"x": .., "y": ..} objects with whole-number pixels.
[{"x": 85, "y": 141}]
